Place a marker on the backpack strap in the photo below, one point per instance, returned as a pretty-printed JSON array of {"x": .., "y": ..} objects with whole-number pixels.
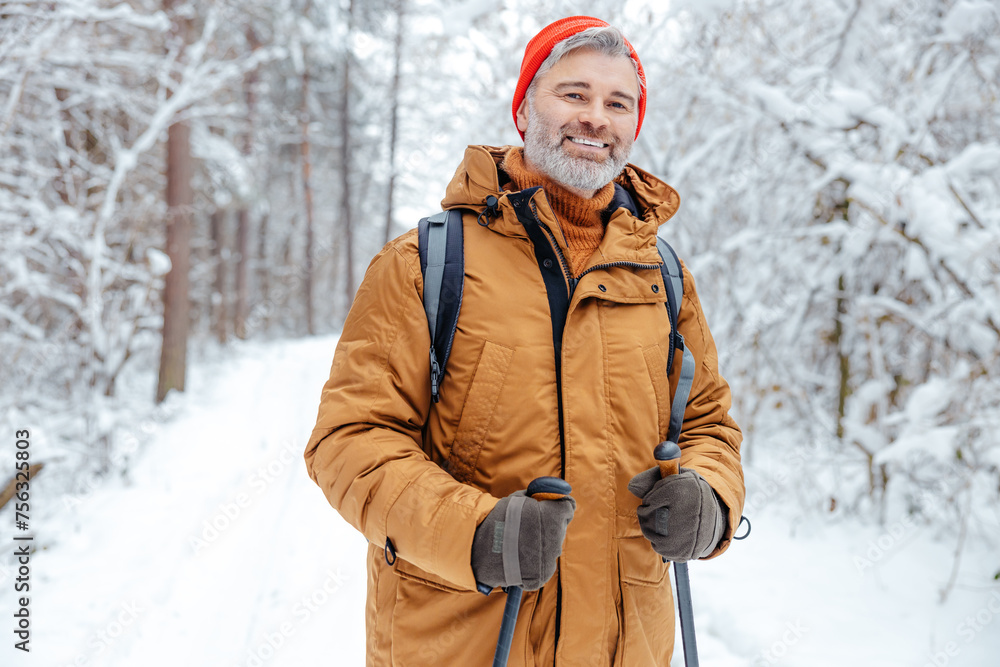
[
  {"x": 673, "y": 280},
  {"x": 442, "y": 262}
]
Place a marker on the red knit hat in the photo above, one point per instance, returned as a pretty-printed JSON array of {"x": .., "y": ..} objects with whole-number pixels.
[{"x": 540, "y": 47}]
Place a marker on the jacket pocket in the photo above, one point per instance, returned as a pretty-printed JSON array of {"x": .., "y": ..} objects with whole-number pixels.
[
  {"x": 432, "y": 624},
  {"x": 477, "y": 412},
  {"x": 646, "y": 615},
  {"x": 656, "y": 365},
  {"x": 639, "y": 564},
  {"x": 406, "y": 570}
]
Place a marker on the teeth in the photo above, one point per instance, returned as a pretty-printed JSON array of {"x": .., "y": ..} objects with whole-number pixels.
[{"x": 587, "y": 142}]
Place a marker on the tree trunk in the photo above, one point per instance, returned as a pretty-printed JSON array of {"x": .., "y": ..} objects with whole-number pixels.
[
  {"x": 180, "y": 201},
  {"x": 220, "y": 316},
  {"x": 345, "y": 160},
  {"x": 243, "y": 328},
  {"x": 242, "y": 311},
  {"x": 394, "y": 119},
  {"x": 843, "y": 358},
  {"x": 262, "y": 267},
  {"x": 176, "y": 306},
  {"x": 263, "y": 272},
  {"x": 307, "y": 269},
  {"x": 10, "y": 488}
]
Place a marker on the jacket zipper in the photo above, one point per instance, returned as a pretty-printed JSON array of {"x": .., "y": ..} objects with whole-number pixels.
[
  {"x": 571, "y": 284},
  {"x": 612, "y": 265}
]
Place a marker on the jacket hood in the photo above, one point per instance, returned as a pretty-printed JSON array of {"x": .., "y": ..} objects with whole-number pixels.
[{"x": 479, "y": 176}]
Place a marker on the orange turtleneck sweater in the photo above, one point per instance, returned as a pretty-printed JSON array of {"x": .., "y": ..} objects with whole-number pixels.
[{"x": 581, "y": 220}]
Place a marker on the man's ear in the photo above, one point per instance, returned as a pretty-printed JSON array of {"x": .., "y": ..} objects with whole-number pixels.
[{"x": 522, "y": 115}]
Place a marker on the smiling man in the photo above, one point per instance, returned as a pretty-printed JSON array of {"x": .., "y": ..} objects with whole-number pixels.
[{"x": 558, "y": 367}]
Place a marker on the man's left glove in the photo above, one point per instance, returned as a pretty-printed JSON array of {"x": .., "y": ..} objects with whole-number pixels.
[{"x": 680, "y": 514}]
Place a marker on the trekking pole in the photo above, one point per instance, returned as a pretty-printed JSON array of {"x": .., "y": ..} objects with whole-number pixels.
[
  {"x": 542, "y": 488},
  {"x": 668, "y": 455}
]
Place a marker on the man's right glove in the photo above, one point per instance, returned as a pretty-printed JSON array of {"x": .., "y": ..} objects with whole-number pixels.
[
  {"x": 680, "y": 515},
  {"x": 519, "y": 541}
]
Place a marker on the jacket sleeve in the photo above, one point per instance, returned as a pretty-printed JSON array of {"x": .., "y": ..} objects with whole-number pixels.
[
  {"x": 710, "y": 440},
  {"x": 365, "y": 451}
]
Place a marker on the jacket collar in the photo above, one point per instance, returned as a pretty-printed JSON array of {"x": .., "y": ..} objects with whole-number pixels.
[
  {"x": 641, "y": 204},
  {"x": 622, "y": 199}
]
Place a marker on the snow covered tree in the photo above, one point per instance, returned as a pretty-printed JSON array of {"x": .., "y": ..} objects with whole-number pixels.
[
  {"x": 180, "y": 200},
  {"x": 81, "y": 207},
  {"x": 837, "y": 171}
]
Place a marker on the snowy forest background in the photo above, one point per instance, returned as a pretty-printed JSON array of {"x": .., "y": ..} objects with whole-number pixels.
[{"x": 175, "y": 176}]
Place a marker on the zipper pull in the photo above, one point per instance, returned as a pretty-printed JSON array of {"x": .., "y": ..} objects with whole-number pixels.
[{"x": 435, "y": 377}]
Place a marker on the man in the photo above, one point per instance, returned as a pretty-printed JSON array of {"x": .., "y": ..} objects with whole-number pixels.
[{"x": 558, "y": 367}]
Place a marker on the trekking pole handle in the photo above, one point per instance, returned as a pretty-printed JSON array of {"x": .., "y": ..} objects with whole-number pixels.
[
  {"x": 668, "y": 456},
  {"x": 549, "y": 488},
  {"x": 541, "y": 488}
]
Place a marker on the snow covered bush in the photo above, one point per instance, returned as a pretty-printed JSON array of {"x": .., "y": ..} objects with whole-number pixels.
[{"x": 838, "y": 166}]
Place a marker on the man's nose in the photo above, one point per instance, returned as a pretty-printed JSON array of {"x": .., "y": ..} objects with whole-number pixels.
[{"x": 595, "y": 114}]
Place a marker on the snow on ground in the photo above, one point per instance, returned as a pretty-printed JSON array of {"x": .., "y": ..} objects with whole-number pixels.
[
  {"x": 217, "y": 550},
  {"x": 828, "y": 596}
]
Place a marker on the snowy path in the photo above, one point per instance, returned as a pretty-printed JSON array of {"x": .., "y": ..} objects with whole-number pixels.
[
  {"x": 220, "y": 547},
  {"x": 219, "y": 551}
]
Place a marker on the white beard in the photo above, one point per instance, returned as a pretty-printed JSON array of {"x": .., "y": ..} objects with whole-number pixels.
[{"x": 543, "y": 143}]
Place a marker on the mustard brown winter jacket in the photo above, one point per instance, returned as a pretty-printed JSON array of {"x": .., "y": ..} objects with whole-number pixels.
[{"x": 515, "y": 406}]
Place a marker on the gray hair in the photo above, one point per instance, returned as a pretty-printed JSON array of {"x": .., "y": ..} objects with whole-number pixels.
[{"x": 608, "y": 40}]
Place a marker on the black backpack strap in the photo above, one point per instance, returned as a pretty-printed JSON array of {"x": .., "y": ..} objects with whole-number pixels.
[
  {"x": 442, "y": 262},
  {"x": 673, "y": 280}
]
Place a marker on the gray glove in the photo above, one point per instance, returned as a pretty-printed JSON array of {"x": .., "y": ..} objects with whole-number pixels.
[
  {"x": 680, "y": 514},
  {"x": 519, "y": 541}
]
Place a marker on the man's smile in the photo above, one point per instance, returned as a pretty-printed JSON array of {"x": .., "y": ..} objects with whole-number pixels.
[{"x": 587, "y": 142}]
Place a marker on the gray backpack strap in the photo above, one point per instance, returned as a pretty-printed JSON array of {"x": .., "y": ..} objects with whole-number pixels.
[
  {"x": 437, "y": 237},
  {"x": 678, "y": 407},
  {"x": 442, "y": 262},
  {"x": 673, "y": 280}
]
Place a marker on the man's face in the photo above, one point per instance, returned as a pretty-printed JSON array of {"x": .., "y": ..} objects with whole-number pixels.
[{"x": 580, "y": 123}]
